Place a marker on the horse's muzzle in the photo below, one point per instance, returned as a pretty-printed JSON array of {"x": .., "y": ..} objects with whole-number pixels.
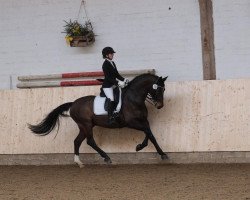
[{"x": 159, "y": 105}]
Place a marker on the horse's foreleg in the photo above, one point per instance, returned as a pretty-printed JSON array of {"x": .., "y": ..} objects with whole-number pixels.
[
  {"x": 143, "y": 125},
  {"x": 77, "y": 143},
  {"x": 143, "y": 144},
  {"x": 91, "y": 142},
  {"x": 151, "y": 137}
]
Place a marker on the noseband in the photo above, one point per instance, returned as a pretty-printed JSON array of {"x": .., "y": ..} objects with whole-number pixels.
[{"x": 151, "y": 98}]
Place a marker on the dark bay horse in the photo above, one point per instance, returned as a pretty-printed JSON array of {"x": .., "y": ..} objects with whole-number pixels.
[{"x": 133, "y": 114}]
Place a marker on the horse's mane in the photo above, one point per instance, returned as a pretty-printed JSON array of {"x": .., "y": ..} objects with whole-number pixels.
[
  {"x": 141, "y": 77},
  {"x": 137, "y": 79}
]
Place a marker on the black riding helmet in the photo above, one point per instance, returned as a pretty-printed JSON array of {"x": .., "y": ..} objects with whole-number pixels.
[{"x": 106, "y": 51}]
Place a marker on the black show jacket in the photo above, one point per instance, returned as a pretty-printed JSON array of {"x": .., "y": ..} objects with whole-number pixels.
[{"x": 110, "y": 74}]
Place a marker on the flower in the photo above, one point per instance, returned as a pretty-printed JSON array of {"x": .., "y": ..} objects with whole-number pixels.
[
  {"x": 76, "y": 31},
  {"x": 68, "y": 39},
  {"x": 74, "y": 28}
]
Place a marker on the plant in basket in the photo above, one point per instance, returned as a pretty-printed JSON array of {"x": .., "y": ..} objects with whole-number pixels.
[{"x": 79, "y": 35}]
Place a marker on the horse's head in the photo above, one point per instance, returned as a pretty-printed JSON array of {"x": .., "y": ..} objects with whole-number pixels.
[{"x": 156, "y": 92}]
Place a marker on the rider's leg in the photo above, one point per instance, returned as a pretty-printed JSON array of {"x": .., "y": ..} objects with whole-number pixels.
[
  {"x": 111, "y": 106},
  {"x": 111, "y": 109}
]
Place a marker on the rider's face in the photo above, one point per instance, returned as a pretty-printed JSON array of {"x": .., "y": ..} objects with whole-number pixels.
[{"x": 110, "y": 56}]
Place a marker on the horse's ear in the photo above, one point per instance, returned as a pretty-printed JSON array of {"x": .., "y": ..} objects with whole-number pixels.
[{"x": 164, "y": 79}]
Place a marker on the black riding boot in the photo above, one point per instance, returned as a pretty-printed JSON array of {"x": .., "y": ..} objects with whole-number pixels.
[{"x": 111, "y": 109}]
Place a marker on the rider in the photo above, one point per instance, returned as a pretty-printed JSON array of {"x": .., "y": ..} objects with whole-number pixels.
[{"x": 112, "y": 78}]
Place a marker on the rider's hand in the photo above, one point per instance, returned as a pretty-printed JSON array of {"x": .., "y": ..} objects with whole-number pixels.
[
  {"x": 126, "y": 81},
  {"x": 121, "y": 84}
]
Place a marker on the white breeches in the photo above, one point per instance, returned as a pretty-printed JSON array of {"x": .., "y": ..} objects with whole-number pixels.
[{"x": 109, "y": 93}]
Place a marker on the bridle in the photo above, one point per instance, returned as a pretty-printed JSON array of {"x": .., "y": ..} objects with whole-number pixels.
[{"x": 150, "y": 98}]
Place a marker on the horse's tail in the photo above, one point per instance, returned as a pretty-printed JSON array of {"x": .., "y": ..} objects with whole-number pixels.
[{"x": 49, "y": 122}]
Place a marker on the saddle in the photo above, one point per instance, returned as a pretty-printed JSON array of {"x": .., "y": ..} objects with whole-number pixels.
[
  {"x": 101, "y": 102},
  {"x": 116, "y": 97}
]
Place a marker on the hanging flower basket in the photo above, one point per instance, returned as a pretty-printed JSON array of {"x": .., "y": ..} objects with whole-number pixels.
[
  {"x": 78, "y": 35},
  {"x": 80, "y": 41}
]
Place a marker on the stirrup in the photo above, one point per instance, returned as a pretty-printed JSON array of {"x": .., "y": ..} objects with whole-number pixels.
[
  {"x": 111, "y": 120},
  {"x": 115, "y": 115}
]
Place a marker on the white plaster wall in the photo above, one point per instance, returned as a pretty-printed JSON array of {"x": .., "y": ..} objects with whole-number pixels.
[
  {"x": 145, "y": 33},
  {"x": 232, "y": 41}
]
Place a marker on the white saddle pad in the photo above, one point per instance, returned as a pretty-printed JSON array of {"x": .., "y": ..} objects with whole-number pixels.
[{"x": 99, "y": 105}]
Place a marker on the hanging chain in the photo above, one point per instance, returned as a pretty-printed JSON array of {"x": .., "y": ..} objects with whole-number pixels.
[
  {"x": 84, "y": 7},
  {"x": 85, "y": 11}
]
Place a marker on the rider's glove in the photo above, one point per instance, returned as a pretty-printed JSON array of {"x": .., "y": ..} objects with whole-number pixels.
[
  {"x": 126, "y": 81},
  {"x": 121, "y": 84}
]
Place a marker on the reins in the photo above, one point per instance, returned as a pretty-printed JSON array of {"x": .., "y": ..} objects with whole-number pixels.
[{"x": 150, "y": 100}]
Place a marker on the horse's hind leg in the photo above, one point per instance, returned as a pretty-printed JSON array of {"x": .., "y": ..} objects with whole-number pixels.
[
  {"x": 77, "y": 143},
  {"x": 91, "y": 142}
]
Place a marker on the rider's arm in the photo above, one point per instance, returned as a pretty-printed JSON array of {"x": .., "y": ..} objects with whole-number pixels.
[{"x": 117, "y": 74}]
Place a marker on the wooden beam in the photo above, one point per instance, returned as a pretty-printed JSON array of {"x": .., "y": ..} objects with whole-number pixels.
[{"x": 207, "y": 39}]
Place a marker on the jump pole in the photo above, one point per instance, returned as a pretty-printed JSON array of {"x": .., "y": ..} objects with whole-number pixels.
[
  {"x": 93, "y": 75},
  {"x": 40, "y": 84}
]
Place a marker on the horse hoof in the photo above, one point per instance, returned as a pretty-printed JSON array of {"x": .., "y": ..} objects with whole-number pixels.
[
  {"x": 81, "y": 165},
  {"x": 78, "y": 161},
  {"x": 108, "y": 160},
  {"x": 164, "y": 157},
  {"x": 138, "y": 147}
]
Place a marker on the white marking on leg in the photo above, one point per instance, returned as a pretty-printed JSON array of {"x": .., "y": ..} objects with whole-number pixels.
[{"x": 78, "y": 161}]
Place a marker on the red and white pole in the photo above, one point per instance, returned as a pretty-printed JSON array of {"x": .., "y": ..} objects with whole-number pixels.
[
  {"x": 93, "y": 75},
  {"x": 65, "y": 79},
  {"x": 36, "y": 84}
]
